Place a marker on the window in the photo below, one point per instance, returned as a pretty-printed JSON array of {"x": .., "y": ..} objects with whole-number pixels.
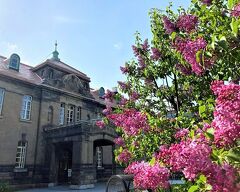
[
  {"x": 50, "y": 74},
  {"x": 50, "y": 115},
  {"x": 99, "y": 155},
  {"x": 21, "y": 154},
  {"x": 1, "y": 100},
  {"x": 42, "y": 73},
  {"x": 14, "y": 62},
  {"x": 26, "y": 107},
  {"x": 78, "y": 115},
  {"x": 70, "y": 114},
  {"x": 62, "y": 114}
]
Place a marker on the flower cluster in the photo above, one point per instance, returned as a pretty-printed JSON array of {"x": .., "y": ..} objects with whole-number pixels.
[
  {"x": 124, "y": 70},
  {"x": 123, "y": 86},
  {"x": 100, "y": 124},
  {"x": 187, "y": 22},
  {"x": 182, "y": 133},
  {"x": 168, "y": 25},
  {"x": 107, "y": 111},
  {"x": 186, "y": 70},
  {"x": 147, "y": 176},
  {"x": 227, "y": 113},
  {"x": 124, "y": 156},
  {"x": 236, "y": 11},
  {"x": 156, "y": 55},
  {"x": 134, "y": 96},
  {"x": 192, "y": 158},
  {"x": 131, "y": 121},
  {"x": 119, "y": 141},
  {"x": 139, "y": 53},
  {"x": 207, "y": 2},
  {"x": 189, "y": 49},
  {"x": 109, "y": 95}
]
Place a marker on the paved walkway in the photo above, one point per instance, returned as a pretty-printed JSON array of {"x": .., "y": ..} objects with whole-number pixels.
[{"x": 99, "y": 187}]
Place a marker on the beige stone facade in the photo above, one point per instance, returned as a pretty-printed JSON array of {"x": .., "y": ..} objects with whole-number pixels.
[{"x": 47, "y": 126}]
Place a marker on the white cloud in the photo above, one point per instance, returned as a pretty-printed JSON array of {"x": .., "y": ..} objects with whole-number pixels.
[
  {"x": 7, "y": 48},
  {"x": 61, "y": 19},
  {"x": 118, "y": 46}
]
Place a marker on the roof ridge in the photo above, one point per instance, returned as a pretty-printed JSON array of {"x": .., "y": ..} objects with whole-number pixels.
[{"x": 73, "y": 68}]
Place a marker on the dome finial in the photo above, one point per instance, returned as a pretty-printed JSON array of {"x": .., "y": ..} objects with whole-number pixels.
[
  {"x": 55, "y": 53},
  {"x": 56, "y": 45}
]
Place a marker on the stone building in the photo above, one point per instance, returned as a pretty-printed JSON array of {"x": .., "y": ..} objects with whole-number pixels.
[{"x": 47, "y": 126}]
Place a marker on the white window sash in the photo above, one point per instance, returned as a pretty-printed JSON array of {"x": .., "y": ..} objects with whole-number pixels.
[
  {"x": 26, "y": 107},
  {"x": 61, "y": 115}
]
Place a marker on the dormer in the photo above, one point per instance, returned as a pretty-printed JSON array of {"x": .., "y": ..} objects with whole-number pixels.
[
  {"x": 14, "y": 62},
  {"x": 101, "y": 92}
]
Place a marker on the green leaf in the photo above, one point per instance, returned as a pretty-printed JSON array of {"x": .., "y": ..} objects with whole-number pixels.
[
  {"x": 202, "y": 109},
  {"x": 202, "y": 178},
  {"x": 234, "y": 26},
  {"x": 230, "y": 4},
  {"x": 152, "y": 162},
  {"x": 199, "y": 56},
  {"x": 210, "y": 133},
  {"x": 193, "y": 188}
]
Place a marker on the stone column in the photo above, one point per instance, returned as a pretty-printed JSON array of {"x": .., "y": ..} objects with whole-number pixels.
[
  {"x": 83, "y": 170},
  {"x": 53, "y": 165}
]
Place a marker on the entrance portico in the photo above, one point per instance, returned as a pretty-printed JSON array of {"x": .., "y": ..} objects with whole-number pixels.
[{"x": 80, "y": 155}]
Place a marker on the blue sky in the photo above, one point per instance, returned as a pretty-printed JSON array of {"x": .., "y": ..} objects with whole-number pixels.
[{"x": 94, "y": 36}]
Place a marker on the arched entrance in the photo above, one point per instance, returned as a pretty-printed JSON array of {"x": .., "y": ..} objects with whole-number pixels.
[{"x": 103, "y": 152}]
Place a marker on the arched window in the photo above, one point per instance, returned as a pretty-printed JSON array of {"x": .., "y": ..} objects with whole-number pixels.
[
  {"x": 50, "y": 115},
  {"x": 14, "y": 62}
]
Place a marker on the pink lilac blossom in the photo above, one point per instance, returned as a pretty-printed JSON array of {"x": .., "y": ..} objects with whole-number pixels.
[
  {"x": 226, "y": 122},
  {"x": 107, "y": 111},
  {"x": 119, "y": 141},
  {"x": 145, "y": 45},
  {"x": 141, "y": 62},
  {"x": 192, "y": 158},
  {"x": 181, "y": 133},
  {"x": 124, "y": 156},
  {"x": 147, "y": 176},
  {"x": 100, "y": 124},
  {"x": 123, "y": 101},
  {"x": 207, "y": 2},
  {"x": 186, "y": 70},
  {"x": 109, "y": 95},
  {"x": 124, "y": 86},
  {"x": 187, "y": 23},
  {"x": 189, "y": 49},
  {"x": 134, "y": 96},
  {"x": 124, "y": 70},
  {"x": 156, "y": 55},
  {"x": 168, "y": 25},
  {"x": 131, "y": 121},
  {"x": 236, "y": 11}
]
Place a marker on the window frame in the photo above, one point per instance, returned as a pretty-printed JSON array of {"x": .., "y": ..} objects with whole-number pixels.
[
  {"x": 20, "y": 160},
  {"x": 78, "y": 114},
  {"x": 26, "y": 108},
  {"x": 99, "y": 156},
  {"x": 14, "y": 57},
  {"x": 70, "y": 114},
  {"x": 62, "y": 114}
]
